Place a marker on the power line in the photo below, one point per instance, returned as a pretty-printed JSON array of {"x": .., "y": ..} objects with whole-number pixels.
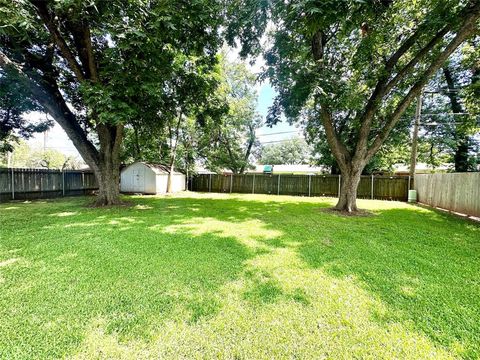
[
  {"x": 440, "y": 91},
  {"x": 445, "y": 114},
  {"x": 279, "y": 133},
  {"x": 276, "y": 141}
]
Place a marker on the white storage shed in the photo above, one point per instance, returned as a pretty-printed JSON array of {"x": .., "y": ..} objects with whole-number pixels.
[{"x": 145, "y": 178}]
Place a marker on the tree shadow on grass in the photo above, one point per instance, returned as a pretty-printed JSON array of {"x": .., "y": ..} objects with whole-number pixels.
[
  {"x": 135, "y": 268},
  {"x": 116, "y": 264},
  {"x": 423, "y": 264}
]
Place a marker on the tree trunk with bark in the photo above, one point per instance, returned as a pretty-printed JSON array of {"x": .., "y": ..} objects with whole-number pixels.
[
  {"x": 107, "y": 168},
  {"x": 104, "y": 161},
  {"x": 347, "y": 200}
]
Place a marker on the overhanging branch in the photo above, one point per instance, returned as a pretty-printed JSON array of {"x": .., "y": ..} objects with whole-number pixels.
[
  {"x": 52, "y": 101},
  {"x": 42, "y": 11},
  {"x": 467, "y": 29}
]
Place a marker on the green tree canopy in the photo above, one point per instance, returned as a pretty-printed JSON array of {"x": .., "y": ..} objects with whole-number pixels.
[
  {"x": 294, "y": 151},
  {"x": 233, "y": 141}
]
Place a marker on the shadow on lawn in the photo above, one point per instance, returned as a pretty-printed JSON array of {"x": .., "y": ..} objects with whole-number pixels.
[{"x": 181, "y": 251}]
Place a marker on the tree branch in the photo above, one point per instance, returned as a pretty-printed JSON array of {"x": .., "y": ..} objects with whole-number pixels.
[
  {"x": 52, "y": 101},
  {"x": 341, "y": 153},
  {"x": 416, "y": 59},
  {"x": 467, "y": 29},
  {"x": 384, "y": 87},
  {"x": 42, "y": 11}
]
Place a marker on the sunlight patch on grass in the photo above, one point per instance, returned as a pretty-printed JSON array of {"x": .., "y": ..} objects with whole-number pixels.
[
  {"x": 10, "y": 208},
  {"x": 143, "y": 207},
  {"x": 8, "y": 262},
  {"x": 247, "y": 232},
  {"x": 335, "y": 322},
  {"x": 65, "y": 213}
]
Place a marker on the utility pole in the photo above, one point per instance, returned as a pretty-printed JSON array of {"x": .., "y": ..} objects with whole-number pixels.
[{"x": 418, "y": 113}]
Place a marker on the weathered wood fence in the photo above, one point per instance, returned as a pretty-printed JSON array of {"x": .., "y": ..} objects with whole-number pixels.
[
  {"x": 371, "y": 187},
  {"x": 459, "y": 192},
  {"x": 27, "y": 184}
]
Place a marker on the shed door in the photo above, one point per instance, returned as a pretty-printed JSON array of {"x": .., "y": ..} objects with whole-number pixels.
[{"x": 138, "y": 180}]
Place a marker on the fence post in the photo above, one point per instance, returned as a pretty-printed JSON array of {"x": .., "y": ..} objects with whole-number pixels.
[
  {"x": 41, "y": 183},
  {"x": 209, "y": 182},
  {"x": 231, "y": 182},
  {"x": 83, "y": 183},
  {"x": 63, "y": 182},
  {"x": 339, "y": 184},
  {"x": 23, "y": 184},
  {"x": 278, "y": 185},
  {"x": 253, "y": 185},
  {"x": 309, "y": 184},
  {"x": 372, "y": 188},
  {"x": 13, "y": 184}
]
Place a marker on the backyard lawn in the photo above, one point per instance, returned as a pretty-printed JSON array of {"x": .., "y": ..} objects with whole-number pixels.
[{"x": 236, "y": 277}]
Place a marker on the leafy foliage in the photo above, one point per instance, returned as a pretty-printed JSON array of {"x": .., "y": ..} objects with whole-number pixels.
[
  {"x": 98, "y": 66},
  {"x": 291, "y": 152},
  {"x": 452, "y": 116},
  {"x": 26, "y": 156},
  {"x": 233, "y": 142}
]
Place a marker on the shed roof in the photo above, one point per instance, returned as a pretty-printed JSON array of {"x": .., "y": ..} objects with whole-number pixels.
[{"x": 158, "y": 168}]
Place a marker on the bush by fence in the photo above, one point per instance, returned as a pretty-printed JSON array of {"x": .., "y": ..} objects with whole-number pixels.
[
  {"x": 371, "y": 187},
  {"x": 27, "y": 184},
  {"x": 459, "y": 192}
]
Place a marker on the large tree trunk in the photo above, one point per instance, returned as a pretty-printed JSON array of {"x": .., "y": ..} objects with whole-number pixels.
[
  {"x": 108, "y": 184},
  {"x": 107, "y": 168},
  {"x": 350, "y": 178}
]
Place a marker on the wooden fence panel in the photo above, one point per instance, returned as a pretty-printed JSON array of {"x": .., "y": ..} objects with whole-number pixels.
[
  {"x": 365, "y": 187},
  {"x": 220, "y": 183},
  {"x": 200, "y": 183},
  {"x": 324, "y": 185},
  {"x": 390, "y": 187},
  {"x": 384, "y": 187},
  {"x": 294, "y": 185},
  {"x": 458, "y": 192},
  {"x": 28, "y": 184},
  {"x": 242, "y": 183},
  {"x": 266, "y": 184}
]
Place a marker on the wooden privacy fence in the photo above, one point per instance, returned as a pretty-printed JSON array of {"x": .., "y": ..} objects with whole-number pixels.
[
  {"x": 459, "y": 192},
  {"x": 371, "y": 187},
  {"x": 26, "y": 184}
]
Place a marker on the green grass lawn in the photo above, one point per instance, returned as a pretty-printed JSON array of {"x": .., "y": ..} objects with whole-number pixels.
[{"x": 237, "y": 277}]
